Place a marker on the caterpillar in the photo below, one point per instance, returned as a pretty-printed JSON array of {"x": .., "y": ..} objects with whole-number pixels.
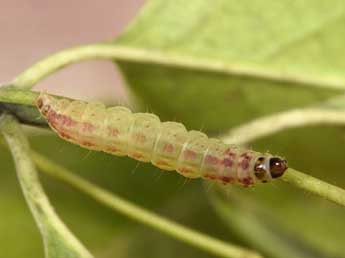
[{"x": 167, "y": 145}]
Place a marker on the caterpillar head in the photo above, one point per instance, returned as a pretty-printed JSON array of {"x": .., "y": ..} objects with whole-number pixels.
[{"x": 268, "y": 167}]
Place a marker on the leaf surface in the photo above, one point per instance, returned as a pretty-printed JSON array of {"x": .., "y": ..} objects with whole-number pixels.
[{"x": 288, "y": 51}]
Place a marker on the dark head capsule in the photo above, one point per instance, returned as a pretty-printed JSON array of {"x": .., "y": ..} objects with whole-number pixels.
[
  {"x": 277, "y": 167},
  {"x": 267, "y": 168}
]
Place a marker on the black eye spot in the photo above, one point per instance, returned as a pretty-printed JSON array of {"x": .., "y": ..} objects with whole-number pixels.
[
  {"x": 260, "y": 168},
  {"x": 277, "y": 167}
]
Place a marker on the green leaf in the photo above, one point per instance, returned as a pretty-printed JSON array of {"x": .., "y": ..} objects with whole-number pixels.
[
  {"x": 257, "y": 227},
  {"x": 58, "y": 240},
  {"x": 286, "y": 52}
]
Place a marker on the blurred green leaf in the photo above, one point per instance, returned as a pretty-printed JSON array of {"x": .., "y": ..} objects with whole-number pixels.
[
  {"x": 58, "y": 240},
  {"x": 286, "y": 38},
  {"x": 256, "y": 225}
]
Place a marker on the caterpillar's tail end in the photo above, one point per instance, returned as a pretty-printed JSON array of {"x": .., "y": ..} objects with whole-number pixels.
[{"x": 277, "y": 167}]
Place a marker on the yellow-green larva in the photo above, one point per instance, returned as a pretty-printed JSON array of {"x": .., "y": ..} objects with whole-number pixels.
[{"x": 167, "y": 145}]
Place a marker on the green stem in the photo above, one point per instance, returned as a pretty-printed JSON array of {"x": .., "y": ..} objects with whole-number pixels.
[
  {"x": 289, "y": 119},
  {"x": 61, "y": 59},
  {"x": 21, "y": 104},
  {"x": 192, "y": 237},
  {"x": 58, "y": 240},
  {"x": 315, "y": 186},
  {"x": 18, "y": 96},
  {"x": 268, "y": 125}
]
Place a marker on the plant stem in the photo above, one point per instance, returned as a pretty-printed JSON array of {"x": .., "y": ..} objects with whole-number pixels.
[
  {"x": 268, "y": 125},
  {"x": 315, "y": 186},
  {"x": 192, "y": 237},
  {"x": 289, "y": 119},
  {"x": 18, "y": 96},
  {"x": 63, "y": 58},
  {"x": 58, "y": 240}
]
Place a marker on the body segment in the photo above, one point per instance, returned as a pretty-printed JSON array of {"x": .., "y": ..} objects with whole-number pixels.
[{"x": 167, "y": 145}]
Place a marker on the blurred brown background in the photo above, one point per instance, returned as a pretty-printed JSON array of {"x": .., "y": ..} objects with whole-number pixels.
[{"x": 33, "y": 29}]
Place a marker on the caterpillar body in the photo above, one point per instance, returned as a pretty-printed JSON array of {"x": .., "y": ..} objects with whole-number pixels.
[{"x": 167, "y": 145}]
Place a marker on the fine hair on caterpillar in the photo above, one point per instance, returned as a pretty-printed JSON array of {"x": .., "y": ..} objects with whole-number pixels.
[{"x": 167, "y": 145}]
